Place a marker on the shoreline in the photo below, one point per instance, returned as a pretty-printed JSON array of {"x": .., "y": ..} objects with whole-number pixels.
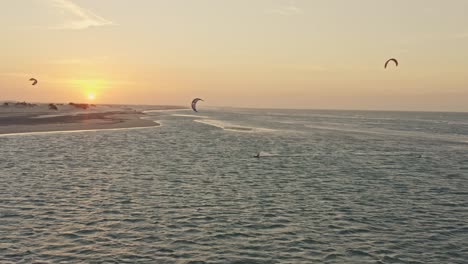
[
  {"x": 71, "y": 131},
  {"x": 31, "y": 122}
]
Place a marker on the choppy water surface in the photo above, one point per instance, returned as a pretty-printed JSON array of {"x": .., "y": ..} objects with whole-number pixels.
[{"x": 331, "y": 187}]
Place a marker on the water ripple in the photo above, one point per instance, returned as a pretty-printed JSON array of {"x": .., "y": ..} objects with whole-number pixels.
[{"x": 188, "y": 193}]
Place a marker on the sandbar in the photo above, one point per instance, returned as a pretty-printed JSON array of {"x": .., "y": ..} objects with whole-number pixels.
[{"x": 14, "y": 119}]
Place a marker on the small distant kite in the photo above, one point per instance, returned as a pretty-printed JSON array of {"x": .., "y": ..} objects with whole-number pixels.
[
  {"x": 194, "y": 103},
  {"x": 392, "y": 59},
  {"x": 34, "y": 81}
]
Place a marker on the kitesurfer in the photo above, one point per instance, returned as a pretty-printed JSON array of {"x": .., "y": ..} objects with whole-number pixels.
[
  {"x": 194, "y": 103},
  {"x": 392, "y": 59}
]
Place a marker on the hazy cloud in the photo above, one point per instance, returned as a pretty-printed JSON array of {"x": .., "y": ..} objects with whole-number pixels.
[
  {"x": 72, "y": 61},
  {"x": 78, "y": 17},
  {"x": 285, "y": 10},
  {"x": 13, "y": 74},
  {"x": 461, "y": 36},
  {"x": 401, "y": 51},
  {"x": 302, "y": 67}
]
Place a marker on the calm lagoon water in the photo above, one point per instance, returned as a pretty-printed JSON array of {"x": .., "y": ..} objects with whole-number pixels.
[{"x": 329, "y": 187}]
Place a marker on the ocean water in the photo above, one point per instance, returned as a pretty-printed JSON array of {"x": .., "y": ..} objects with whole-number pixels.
[{"x": 329, "y": 187}]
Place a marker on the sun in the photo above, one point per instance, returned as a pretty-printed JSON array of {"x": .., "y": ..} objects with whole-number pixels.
[
  {"x": 90, "y": 89},
  {"x": 91, "y": 96}
]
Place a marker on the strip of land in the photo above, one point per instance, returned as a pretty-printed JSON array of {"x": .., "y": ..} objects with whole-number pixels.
[{"x": 14, "y": 119}]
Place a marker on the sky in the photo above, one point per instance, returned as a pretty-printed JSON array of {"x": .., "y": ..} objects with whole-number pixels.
[{"x": 317, "y": 54}]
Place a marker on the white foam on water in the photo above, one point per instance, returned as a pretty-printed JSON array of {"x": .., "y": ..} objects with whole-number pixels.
[
  {"x": 65, "y": 114},
  {"x": 291, "y": 122},
  {"x": 194, "y": 116},
  {"x": 47, "y": 116},
  {"x": 165, "y": 110},
  {"x": 78, "y": 131},
  {"x": 72, "y": 131},
  {"x": 388, "y": 132},
  {"x": 232, "y": 127}
]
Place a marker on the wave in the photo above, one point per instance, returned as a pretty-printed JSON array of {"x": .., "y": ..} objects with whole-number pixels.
[
  {"x": 194, "y": 116},
  {"x": 63, "y": 114},
  {"x": 387, "y": 153},
  {"x": 164, "y": 110},
  {"x": 399, "y": 119},
  {"x": 400, "y": 133},
  {"x": 264, "y": 154},
  {"x": 291, "y": 122},
  {"x": 232, "y": 127},
  {"x": 378, "y": 118},
  {"x": 73, "y": 131},
  {"x": 81, "y": 130}
]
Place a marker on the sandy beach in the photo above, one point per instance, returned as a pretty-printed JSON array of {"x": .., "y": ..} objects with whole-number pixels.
[{"x": 24, "y": 119}]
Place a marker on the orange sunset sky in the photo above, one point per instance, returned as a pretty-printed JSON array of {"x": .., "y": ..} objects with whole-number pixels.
[{"x": 244, "y": 53}]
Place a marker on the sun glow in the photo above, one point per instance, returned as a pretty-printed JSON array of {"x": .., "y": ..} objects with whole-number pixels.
[
  {"x": 90, "y": 88},
  {"x": 91, "y": 96}
]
